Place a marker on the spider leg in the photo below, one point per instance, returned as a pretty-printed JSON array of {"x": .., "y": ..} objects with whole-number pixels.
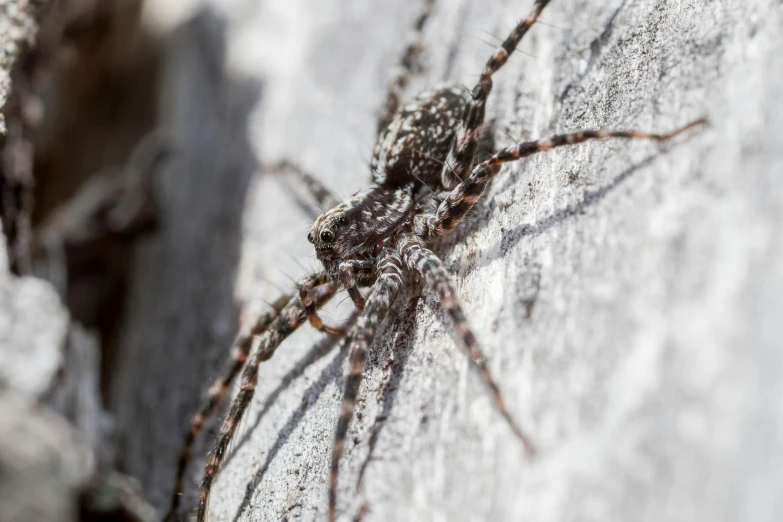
[
  {"x": 356, "y": 273},
  {"x": 288, "y": 320},
  {"x": 238, "y": 356},
  {"x": 321, "y": 195},
  {"x": 425, "y": 263},
  {"x": 463, "y": 149},
  {"x": 465, "y": 195},
  {"x": 306, "y": 293},
  {"x": 381, "y": 297},
  {"x": 408, "y": 64}
]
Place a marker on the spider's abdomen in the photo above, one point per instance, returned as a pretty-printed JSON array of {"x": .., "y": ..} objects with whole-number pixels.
[{"x": 415, "y": 144}]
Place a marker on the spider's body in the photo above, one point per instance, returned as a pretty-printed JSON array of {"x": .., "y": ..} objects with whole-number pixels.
[
  {"x": 407, "y": 164},
  {"x": 414, "y": 146},
  {"x": 426, "y": 179},
  {"x": 410, "y": 153}
]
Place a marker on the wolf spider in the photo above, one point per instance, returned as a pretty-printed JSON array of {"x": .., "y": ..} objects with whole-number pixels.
[{"x": 424, "y": 183}]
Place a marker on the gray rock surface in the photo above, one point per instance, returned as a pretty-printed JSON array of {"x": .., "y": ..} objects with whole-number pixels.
[{"x": 628, "y": 295}]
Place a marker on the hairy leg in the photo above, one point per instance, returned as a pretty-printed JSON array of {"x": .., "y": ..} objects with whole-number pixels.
[
  {"x": 425, "y": 263},
  {"x": 467, "y": 193},
  {"x": 460, "y": 158},
  {"x": 381, "y": 297},
  {"x": 307, "y": 289},
  {"x": 405, "y": 69},
  {"x": 320, "y": 195},
  {"x": 354, "y": 274},
  {"x": 289, "y": 319},
  {"x": 237, "y": 358}
]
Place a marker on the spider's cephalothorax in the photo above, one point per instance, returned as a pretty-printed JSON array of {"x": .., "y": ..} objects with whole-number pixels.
[
  {"x": 359, "y": 227},
  {"x": 426, "y": 178}
]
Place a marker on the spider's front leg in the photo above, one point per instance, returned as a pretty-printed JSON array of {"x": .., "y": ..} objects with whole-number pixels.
[
  {"x": 237, "y": 358},
  {"x": 288, "y": 320},
  {"x": 354, "y": 274},
  {"x": 381, "y": 297},
  {"x": 423, "y": 262},
  {"x": 307, "y": 295}
]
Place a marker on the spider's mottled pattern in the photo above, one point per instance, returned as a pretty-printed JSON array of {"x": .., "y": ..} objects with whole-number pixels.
[{"x": 426, "y": 179}]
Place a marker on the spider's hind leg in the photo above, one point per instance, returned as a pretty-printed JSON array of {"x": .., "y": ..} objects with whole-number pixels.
[
  {"x": 423, "y": 262},
  {"x": 463, "y": 150},
  {"x": 314, "y": 189},
  {"x": 408, "y": 64}
]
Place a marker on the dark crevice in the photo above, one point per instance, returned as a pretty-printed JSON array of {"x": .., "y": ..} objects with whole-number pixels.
[
  {"x": 22, "y": 114},
  {"x": 93, "y": 168}
]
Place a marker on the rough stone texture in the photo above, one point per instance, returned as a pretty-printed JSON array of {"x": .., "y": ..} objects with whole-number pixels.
[{"x": 628, "y": 295}]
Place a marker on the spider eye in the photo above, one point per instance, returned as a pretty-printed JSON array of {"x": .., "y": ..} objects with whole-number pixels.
[
  {"x": 341, "y": 220},
  {"x": 311, "y": 237},
  {"x": 326, "y": 236}
]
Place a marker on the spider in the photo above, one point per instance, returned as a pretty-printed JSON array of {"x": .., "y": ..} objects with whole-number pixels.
[{"x": 427, "y": 177}]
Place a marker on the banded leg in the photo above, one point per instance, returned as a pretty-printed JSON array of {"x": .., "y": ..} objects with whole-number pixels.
[
  {"x": 353, "y": 274},
  {"x": 306, "y": 294},
  {"x": 465, "y": 195},
  {"x": 239, "y": 353},
  {"x": 425, "y": 263},
  {"x": 321, "y": 195},
  {"x": 383, "y": 293},
  {"x": 460, "y": 159},
  {"x": 290, "y": 318},
  {"x": 405, "y": 68}
]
